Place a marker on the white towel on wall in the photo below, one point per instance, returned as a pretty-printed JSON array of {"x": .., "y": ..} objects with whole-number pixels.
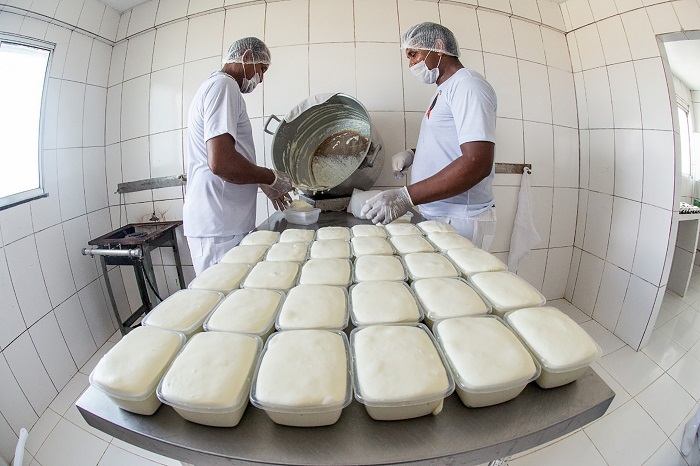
[{"x": 524, "y": 235}]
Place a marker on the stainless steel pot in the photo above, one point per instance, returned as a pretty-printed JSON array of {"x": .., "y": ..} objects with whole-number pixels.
[{"x": 328, "y": 146}]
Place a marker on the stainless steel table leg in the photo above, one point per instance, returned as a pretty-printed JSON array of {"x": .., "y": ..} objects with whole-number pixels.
[
  {"x": 150, "y": 276},
  {"x": 115, "y": 309}
]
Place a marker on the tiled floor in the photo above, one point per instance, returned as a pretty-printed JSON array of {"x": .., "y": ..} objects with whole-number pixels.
[{"x": 657, "y": 391}]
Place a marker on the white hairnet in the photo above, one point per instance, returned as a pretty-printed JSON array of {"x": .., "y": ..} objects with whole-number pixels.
[
  {"x": 431, "y": 36},
  {"x": 248, "y": 50}
]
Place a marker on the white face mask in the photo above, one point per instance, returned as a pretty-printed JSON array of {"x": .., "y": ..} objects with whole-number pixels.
[
  {"x": 247, "y": 85},
  {"x": 420, "y": 70}
]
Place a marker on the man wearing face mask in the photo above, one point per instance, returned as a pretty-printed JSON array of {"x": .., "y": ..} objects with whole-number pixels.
[
  {"x": 222, "y": 176},
  {"x": 453, "y": 163}
]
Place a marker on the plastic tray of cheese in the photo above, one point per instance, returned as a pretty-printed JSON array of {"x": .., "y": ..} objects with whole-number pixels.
[
  {"x": 288, "y": 252},
  {"x": 505, "y": 291},
  {"x": 223, "y": 277},
  {"x": 471, "y": 261},
  {"x": 330, "y": 249},
  {"x": 248, "y": 310},
  {"x": 303, "y": 378},
  {"x": 490, "y": 365},
  {"x": 273, "y": 275},
  {"x": 383, "y": 302},
  {"x": 444, "y": 298},
  {"x": 378, "y": 267},
  {"x": 314, "y": 307},
  {"x": 336, "y": 272},
  {"x": 209, "y": 381},
  {"x": 421, "y": 265},
  {"x": 560, "y": 345},
  {"x": 398, "y": 371},
  {"x": 184, "y": 311},
  {"x": 130, "y": 372}
]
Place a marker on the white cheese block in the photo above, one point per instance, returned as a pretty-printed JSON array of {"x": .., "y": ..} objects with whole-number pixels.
[
  {"x": 131, "y": 370},
  {"x": 387, "y": 268},
  {"x": 251, "y": 254},
  {"x": 429, "y": 265},
  {"x": 506, "y": 291},
  {"x": 333, "y": 233},
  {"x": 184, "y": 311},
  {"x": 475, "y": 260},
  {"x": 364, "y": 245},
  {"x": 297, "y": 235},
  {"x": 369, "y": 230},
  {"x": 314, "y": 306},
  {"x": 272, "y": 275},
  {"x": 432, "y": 226},
  {"x": 406, "y": 244},
  {"x": 449, "y": 241},
  {"x": 261, "y": 237},
  {"x": 443, "y": 298},
  {"x": 288, "y": 252},
  {"x": 330, "y": 249},
  {"x": 377, "y": 302},
  {"x": 401, "y": 229},
  {"x": 326, "y": 272},
  {"x": 211, "y": 372},
  {"x": 248, "y": 310},
  {"x": 220, "y": 277},
  {"x": 302, "y": 379}
]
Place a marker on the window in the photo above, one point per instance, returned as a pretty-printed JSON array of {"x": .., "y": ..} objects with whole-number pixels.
[
  {"x": 23, "y": 77},
  {"x": 684, "y": 126}
]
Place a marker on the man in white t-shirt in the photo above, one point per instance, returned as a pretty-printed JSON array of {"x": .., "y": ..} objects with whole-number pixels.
[
  {"x": 222, "y": 176},
  {"x": 453, "y": 163}
]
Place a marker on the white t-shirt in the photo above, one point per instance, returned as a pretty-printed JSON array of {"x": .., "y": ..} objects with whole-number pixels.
[
  {"x": 463, "y": 109},
  {"x": 214, "y": 207}
]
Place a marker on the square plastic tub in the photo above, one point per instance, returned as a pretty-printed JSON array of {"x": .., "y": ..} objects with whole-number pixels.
[
  {"x": 299, "y": 217},
  {"x": 333, "y": 233},
  {"x": 314, "y": 307},
  {"x": 365, "y": 245},
  {"x": 446, "y": 241},
  {"x": 379, "y": 302},
  {"x": 429, "y": 265},
  {"x": 432, "y": 226},
  {"x": 241, "y": 254},
  {"x": 379, "y": 268},
  {"x": 337, "y": 272},
  {"x": 445, "y": 298},
  {"x": 303, "y": 378},
  {"x": 297, "y": 235},
  {"x": 474, "y": 260},
  {"x": 505, "y": 291},
  {"x": 406, "y": 244},
  {"x": 560, "y": 345},
  {"x": 399, "y": 372},
  {"x": 222, "y": 277},
  {"x": 273, "y": 275},
  {"x": 369, "y": 230},
  {"x": 288, "y": 252},
  {"x": 184, "y": 311},
  {"x": 330, "y": 249},
  {"x": 261, "y": 238},
  {"x": 249, "y": 310},
  {"x": 400, "y": 229},
  {"x": 130, "y": 372},
  {"x": 209, "y": 381},
  {"x": 490, "y": 365}
]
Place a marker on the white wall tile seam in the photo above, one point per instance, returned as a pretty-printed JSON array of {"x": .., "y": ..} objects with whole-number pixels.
[{"x": 644, "y": 7}]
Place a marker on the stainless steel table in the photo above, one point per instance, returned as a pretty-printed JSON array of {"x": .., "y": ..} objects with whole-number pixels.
[{"x": 458, "y": 435}]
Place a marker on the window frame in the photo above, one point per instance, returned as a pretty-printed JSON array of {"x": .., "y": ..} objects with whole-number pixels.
[{"x": 22, "y": 197}]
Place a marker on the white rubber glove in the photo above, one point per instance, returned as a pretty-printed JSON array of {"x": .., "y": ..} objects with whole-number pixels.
[
  {"x": 282, "y": 183},
  {"x": 401, "y": 161},
  {"x": 280, "y": 200},
  {"x": 387, "y": 206},
  {"x": 690, "y": 434}
]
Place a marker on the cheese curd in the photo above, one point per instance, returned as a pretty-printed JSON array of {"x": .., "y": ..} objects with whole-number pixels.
[
  {"x": 247, "y": 310},
  {"x": 429, "y": 265},
  {"x": 365, "y": 245},
  {"x": 400, "y": 229},
  {"x": 222, "y": 277},
  {"x": 272, "y": 275},
  {"x": 288, "y": 252},
  {"x": 261, "y": 237},
  {"x": 449, "y": 241},
  {"x": 432, "y": 226},
  {"x": 326, "y": 272},
  {"x": 251, "y": 254},
  {"x": 314, "y": 306},
  {"x": 333, "y": 233},
  {"x": 443, "y": 298},
  {"x": 475, "y": 260},
  {"x": 330, "y": 249},
  {"x": 369, "y": 230},
  {"x": 184, "y": 311},
  {"x": 380, "y": 302},
  {"x": 407, "y": 244},
  {"x": 506, "y": 291},
  {"x": 296, "y": 235}
]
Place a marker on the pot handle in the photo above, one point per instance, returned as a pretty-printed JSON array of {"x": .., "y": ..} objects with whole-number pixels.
[
  {"x": 270, "y": 118},
  {"x": 370, "y": 159}
]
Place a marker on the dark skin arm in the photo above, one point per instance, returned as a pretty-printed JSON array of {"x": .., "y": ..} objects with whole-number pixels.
[
  {"x": 466, "y": 171},
  {"x": 227, "y": 163}
]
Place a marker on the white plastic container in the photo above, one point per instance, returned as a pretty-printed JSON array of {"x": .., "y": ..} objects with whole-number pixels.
[
  {"x": 407, "y": 244},
  {"x": 488, "y": 362},
  {"x": 330, "y": 249},
  {"x": 303, "y": 378},
  {"x": 251, "y": 254},
  {"x": 222, "y": 277},
  {"x": 261, "y": 238},
  {"x": 446, "y": 241},
  {"x": 184, "y": 311},
  {"x": 380, "y": 302},
  {"x": 560, "y": 345},
  {"x": 505, "y": 291},
  {"x": 369, "y": 230},
  {"x": 364, "y": 245},
  {"x": 336, "y": 272},
  {"x": 383, "y": 268},
  {"x": 129, "y": 373},
  {"x": 209, "y": 381},
  {"x": 314, "y": 307},
  {"x": 445, "y": 298},
  {"x": 273, "y": 275},
  {"x": 249, "y": 310},
  {"x": 302, "y": 217},
  {"x": 297, "y": 235},
  {"x": 432, "y": 226},
  {"x": 474, "y": 260},
  {"x": 398, "y": 371},
  {"x": 429, "y": 265},
  {"x": 333, "y": 233},
  {"x": 288, "y": 252},
  {"x": 400, "y": 229}
]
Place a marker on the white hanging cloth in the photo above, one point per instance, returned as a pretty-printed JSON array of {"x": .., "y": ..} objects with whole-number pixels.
[{"x": 524, "y": 236}]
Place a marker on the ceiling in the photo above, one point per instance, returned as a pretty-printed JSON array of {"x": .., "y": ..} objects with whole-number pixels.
[{"x": 684, "y": 58}]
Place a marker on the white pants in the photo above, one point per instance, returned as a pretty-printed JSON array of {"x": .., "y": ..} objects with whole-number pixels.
[
  {"x": 480, "y": 229},
  {"x": 208, "y": 251}
]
